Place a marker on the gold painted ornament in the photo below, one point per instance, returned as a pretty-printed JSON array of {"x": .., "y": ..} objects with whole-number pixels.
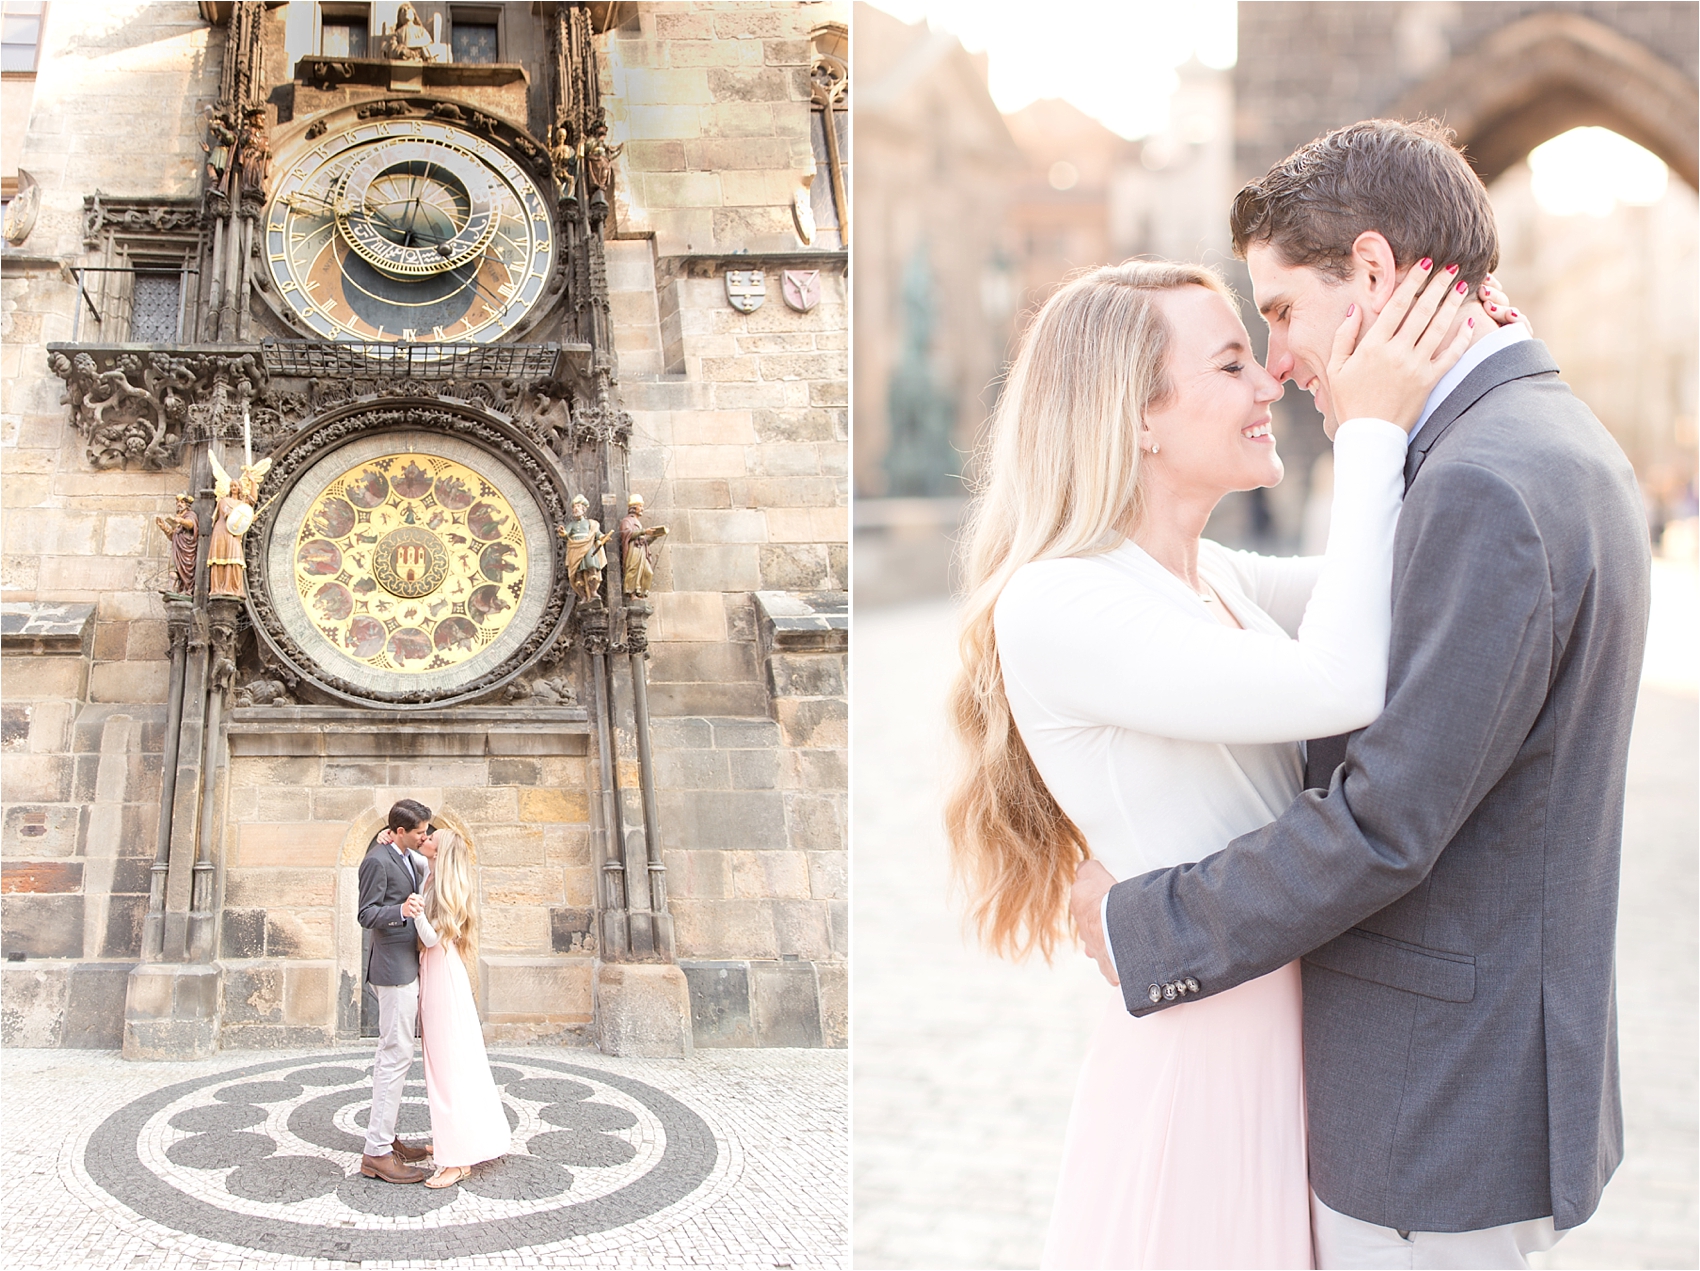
[{"x": 410, "y": 562}]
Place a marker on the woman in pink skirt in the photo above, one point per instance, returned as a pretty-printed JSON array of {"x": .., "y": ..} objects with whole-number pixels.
[
  {"x": 468, "y": 1124},
  {"x": 1135, "y": 695}
]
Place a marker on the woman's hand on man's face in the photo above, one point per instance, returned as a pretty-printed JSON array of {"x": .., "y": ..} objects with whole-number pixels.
[{"x": 1387, "y": 370}]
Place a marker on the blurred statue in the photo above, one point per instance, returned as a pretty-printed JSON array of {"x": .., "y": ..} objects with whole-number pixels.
[
  {"x": 231, "y": 519},
  {"x": 220, "y": 146},
  {"x": 563, "y": 159},
  {"x": 184, "y": 531},
  {"x": 411, "y": 41},
  {"x": 254, "y": 155},
  {"x": 585, "y": 558},
  {"x": 598, "y": 166},
  {"x": 639, "y": 570}
]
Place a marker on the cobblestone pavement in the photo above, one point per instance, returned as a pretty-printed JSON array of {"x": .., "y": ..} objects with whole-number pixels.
[
  {"x": 965, "y": 1066},
  {"x": 250, "y": 1159}
]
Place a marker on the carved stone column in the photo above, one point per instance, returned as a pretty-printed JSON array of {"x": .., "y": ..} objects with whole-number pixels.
[{"x": 179, "y": 615}]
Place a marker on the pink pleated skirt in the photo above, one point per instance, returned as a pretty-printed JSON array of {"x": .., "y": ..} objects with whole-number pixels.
[{"x": 1186, "y": 1142}]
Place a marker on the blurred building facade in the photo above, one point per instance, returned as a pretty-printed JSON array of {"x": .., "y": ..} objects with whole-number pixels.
[
  {"x": 1506, "y": 77},
  {"x": 1066, "y": 193}
]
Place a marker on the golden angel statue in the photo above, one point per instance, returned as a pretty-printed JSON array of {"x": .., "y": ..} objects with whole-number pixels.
[{"x": 231, "y": 519}]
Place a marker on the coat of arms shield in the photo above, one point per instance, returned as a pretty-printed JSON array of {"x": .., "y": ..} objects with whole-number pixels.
[
  {"x": 801, "y": 288},
  {"x": 746, "y": 289}
]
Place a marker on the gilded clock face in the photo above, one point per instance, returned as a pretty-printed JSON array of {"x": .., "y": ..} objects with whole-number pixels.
[
  {"x": 410, "y": 562},
  {"x": 408, "y": 230}
]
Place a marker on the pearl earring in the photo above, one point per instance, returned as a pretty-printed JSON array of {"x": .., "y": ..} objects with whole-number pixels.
[{"x": 1156, "y": 446}]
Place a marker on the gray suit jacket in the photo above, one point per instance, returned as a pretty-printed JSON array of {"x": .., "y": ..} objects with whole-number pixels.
[
  {"x": 1454, "y": 888},
  {"x": 385, "y": 881}
]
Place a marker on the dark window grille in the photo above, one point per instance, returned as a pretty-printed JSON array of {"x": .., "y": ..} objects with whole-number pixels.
[
  {"x": 342, "y": 37},
  {"x": 473, "y": 41},
  {"x": 156, "y": 308}
]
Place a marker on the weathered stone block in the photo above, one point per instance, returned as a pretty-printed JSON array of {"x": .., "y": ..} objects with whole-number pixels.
[
  {"x": 94, "y": 1006},
  {"x": 285, "y": 888},
  {"x": 308, "y": 933},
  {"x": 814, "y": 722},
  {"x": 753, "y": 819},
  {"x": 243, "y": 934},
  {"x": 542, "y": 805},
  {"x": 815, "y": 821},
  {"x": 754, "y": 769},
  {"x": 707, "y": 699},
  {"x": 123, "y": 935},
  {"x": 572, "y": 930},
  {"x": 520, "y": 989},
  {"x": 536, "y": 885},
  {"x": 42, "y": 926},
  {"x": 691, "y": 770},
  {"x": 44, "y": 876},
  {"x": 724, "y": 928},
  {"x": 744, "y": 734},
  {"x": 770, "y": 874},
  {"x": 803, "y": 928},
  {"x": 486, "y": 805},
  {"x": 26, "y": 778},
  {"x": 817, "y": 769},
  {"x": 32, "y": 1005},
  {"x": 513, "y": 772},
  {"x": 699, "y": 875},
  {"x": 795, "y": 567},
  {"x": 516, "y": 929},
  {"x": 695, "y": 661},
  {"x": 129, "y": 681},
  {"x": 833, "y": 984},
  {"x": 643, "y": 1010},
  {"x": 784, "y": 1004},
  {"x": 298, "y": 844},
  {"x": 36, "y": 831},
  {"x": 309, "y": 998},
  {"x": 807, "y": 675},
  {"x": 720, "y": 1003},
  {"x": 253, "y": 995}
]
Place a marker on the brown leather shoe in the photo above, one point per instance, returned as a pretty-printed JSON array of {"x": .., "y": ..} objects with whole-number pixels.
[
  {"x": 391, "y": 1170},
  {"x": 411, "y": 1151}
]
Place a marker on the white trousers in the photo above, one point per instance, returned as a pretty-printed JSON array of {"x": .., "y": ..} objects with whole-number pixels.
[
  {"x": 1350, "y": 1244},
  {"x": 398, "y": 1010}
]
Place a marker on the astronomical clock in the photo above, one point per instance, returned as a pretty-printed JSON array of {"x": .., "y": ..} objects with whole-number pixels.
[
  {"x": 411, "y": 558},
  {"x": 408, "y": 230}
]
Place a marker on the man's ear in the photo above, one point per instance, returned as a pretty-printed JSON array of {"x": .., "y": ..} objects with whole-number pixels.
[{"x": 1375, "y": 268}]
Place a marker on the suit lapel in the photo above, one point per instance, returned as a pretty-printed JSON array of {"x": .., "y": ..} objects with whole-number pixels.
[{"x": 1520, "y": 361}]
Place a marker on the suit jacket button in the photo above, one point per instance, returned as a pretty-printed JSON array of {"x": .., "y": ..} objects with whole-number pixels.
[
  {"x": 1168, "y": 992},
  {"x": 1154, "y": 993},
  {"x": 1191, "y": 985}
]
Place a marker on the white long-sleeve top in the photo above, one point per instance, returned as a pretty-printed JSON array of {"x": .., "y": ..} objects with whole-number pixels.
[{"x": 1164, "y": 733}]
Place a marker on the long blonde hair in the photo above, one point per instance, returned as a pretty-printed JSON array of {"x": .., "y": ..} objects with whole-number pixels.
[
  {"x": 451, "y": 894},
  {"x": 1059, "y": 477}
]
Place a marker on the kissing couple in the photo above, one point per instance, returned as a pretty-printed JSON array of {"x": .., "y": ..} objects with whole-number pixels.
[
  {"x": 419, "y": 899},
  {"x": 1366, "y": 1015}
]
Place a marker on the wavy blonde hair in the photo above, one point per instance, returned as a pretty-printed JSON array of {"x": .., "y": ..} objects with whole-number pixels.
[
  {"x": 1060, "y": 476},
  {"x": 451, "y": 898}
]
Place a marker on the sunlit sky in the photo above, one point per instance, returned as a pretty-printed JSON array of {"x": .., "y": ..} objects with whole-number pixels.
[
  {"x": 1588, "y": 171},
  {"x": 1114, "y": 59}
]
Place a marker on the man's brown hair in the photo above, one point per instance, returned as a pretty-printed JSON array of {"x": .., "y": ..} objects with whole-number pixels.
[{"x": 1407, "y": 181}]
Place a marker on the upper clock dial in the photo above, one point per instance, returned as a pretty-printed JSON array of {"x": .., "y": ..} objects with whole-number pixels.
[{"x": 408, "y": 230}]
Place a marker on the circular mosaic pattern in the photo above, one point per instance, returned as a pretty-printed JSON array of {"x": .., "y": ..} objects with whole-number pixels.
[
  {"x": 410, "y": 563},
  {"x": 268, "y": 1157}
]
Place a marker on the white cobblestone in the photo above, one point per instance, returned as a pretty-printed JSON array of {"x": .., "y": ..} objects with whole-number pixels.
[{"x": 774, "y": 1195}]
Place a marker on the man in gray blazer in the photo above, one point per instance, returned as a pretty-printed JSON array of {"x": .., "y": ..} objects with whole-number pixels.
[
  {"x": 389, "y": 903},
  {"x": 1451, "y": 879}
]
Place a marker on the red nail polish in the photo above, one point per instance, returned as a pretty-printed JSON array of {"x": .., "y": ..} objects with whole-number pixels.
[
  {"x": 1425, "y": 263},
  {"x": 1471, "y": 322},
  {"x": 1463, "y": 287},
  {"x": 1493, "y": 308},
  {"x": 1351, "y": 309},
  {"x": 1515, "y": 314},
  {"x": 1452, "y": 269}
]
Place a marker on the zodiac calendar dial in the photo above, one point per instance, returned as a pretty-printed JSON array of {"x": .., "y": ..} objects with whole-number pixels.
[
  {"x": 409, "y": 230},
  {"x": 410, "y": 563}
]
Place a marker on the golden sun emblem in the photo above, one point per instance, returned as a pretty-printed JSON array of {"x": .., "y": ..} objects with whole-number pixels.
[{"x": 410, "y": 562}]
